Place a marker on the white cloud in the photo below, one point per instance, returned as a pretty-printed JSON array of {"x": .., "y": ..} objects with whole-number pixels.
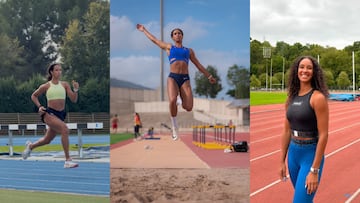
[
  {"x": 324, "y": 22},
  {"x": 143, "y": 70},
  {"x": 136, "y": 59},
  {"x": 125, "y": 36}
]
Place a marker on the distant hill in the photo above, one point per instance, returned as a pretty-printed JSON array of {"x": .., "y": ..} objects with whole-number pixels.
[{"x": 126, "y": 84}]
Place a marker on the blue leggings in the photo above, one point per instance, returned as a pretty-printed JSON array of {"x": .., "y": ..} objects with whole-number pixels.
[{"x": 300, "y": 159}]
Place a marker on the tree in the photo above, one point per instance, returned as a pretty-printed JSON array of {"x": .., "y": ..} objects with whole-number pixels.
[
  {"x": 343, "y": 81},
  {"x": 329, "y": 78},
  {"x": 202, "y": 85},
  {"x": 262, "y": 78},
  {"x": 11, "y": 61},
  {"x": 8, "y": 94},
  {"x": 85, "y": 52},
  {"x": 239, "y": 78},
  {"x": 39, "y": 26},
  {"x": 254, "y": 82}
]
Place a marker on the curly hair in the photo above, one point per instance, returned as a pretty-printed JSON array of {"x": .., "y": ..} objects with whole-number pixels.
[{"x": 317, "y": 80}]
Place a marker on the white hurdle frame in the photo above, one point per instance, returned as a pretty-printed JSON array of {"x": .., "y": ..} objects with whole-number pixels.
[{"x": 71, "y": 126}]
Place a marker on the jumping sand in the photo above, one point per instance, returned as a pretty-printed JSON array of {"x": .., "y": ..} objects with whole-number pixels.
[{"x": 145, "y": 185}]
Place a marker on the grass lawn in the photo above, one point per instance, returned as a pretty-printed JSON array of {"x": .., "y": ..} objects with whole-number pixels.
[
  {"x": 118, "y": 137},
  {"x": 19, "y": 196},
  {"x": 262, "y": 98}
]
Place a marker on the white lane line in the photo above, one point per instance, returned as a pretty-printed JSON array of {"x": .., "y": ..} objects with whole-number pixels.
[
  {"x": 330, "y": 133},
  {"x": 353, "y": 196},
  {"x": 265, "y": 155},
  {"x": 326, "y": 156}
]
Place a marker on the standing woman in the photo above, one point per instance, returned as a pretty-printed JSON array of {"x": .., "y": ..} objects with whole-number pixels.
[
  {"x": 137, "y": 125},
  {"x": 306, "y": 128},
  {"x": 178, "y": 82},
  {"x": 114, "y": 123},
  {"x": 54, "y": 115}
]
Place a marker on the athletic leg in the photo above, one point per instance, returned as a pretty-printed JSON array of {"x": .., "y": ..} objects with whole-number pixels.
[
  {"x": 49, "y": 136},
  {"x": 173, "y": 91},
  {"x": 60, "y": 127},
  {"x": 305, "y": 154},
  {"x": 186, "y": 96}
]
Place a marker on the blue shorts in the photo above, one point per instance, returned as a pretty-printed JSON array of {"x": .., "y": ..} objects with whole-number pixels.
[
  {"x": 180, "y": 79},
  {"x": 60, "y": 114}
]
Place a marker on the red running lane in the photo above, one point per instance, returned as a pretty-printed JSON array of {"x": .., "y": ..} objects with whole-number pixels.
[
  {"x": 213, "y": 158},
  {"x": 340, "y": 182}
]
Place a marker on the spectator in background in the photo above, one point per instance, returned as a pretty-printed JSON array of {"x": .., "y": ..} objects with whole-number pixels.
[
  {"x": 137, "y": 125},
  {"x": 114, "y": 123}
]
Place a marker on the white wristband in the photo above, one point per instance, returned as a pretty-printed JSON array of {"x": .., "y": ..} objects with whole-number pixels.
[
  {"x": 76, "y": 89},
  {"x": 210, "y": 76}
]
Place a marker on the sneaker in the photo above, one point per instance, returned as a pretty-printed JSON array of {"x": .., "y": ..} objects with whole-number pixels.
[
  {"x": 70, "y": 164},
  {"x": 178, "y": 100},
  {"x": 175, "y": 134},
  {"x": 27, "y": 150}
]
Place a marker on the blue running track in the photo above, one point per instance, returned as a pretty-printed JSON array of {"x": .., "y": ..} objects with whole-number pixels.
[{"x": 89, "y": 178}]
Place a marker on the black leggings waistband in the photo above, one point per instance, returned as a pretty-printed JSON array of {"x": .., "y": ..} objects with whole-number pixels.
[{"x": 298, "y": 141}]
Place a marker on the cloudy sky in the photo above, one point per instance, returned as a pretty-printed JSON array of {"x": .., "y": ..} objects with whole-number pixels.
[
  {"x": 218, "y": 31},
  {"x": 334, "y": 23}
]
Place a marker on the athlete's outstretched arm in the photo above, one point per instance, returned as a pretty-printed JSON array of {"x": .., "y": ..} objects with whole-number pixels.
[
  {"x": 161, "y": 44},
  {"x": 201, "y": 68}
]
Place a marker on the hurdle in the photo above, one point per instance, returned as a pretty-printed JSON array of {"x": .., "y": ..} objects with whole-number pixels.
[
  {"x": 221, "y": 142},
  {"x": 71, "y": 126}
]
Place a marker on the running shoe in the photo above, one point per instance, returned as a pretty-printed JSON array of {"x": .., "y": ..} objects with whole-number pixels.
[
  {"x": 27, "y": 151},
  {"x": 70, "y": 164},
  {"x": 175, "y": 134},
  {"x": 178, "y": 100}
]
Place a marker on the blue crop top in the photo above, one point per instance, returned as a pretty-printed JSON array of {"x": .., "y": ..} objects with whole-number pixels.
[
  {"x": 179, "y": 54},
  {"x": 301, "y": 115}
]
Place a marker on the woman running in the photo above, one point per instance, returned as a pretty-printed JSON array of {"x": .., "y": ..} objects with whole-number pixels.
[{"x": 54, "y": 115}]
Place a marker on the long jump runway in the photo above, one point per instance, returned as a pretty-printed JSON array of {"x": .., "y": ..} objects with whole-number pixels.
[
  {"x": 166, "y": 153},
  {"x": 89, "y": 178},
  {"x": 340, "y": 181}
]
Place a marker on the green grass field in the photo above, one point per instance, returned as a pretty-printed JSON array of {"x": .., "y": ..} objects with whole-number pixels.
[
  {"x": 118, "y": 137},
  {"x": 263, "y": 98},
  {"x": 18, "y": 196}
]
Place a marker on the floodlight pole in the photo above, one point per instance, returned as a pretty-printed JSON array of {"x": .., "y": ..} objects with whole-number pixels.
[
  {"x": 283, "y": 75},
  {"x": 161, "y": 53},
  {"x": 270, "y": 75},
  {"x": 353, "y": 66},
  {"x": 267, "y": 55}
]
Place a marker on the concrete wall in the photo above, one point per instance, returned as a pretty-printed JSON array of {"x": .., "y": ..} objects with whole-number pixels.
[
  {"x": 122, "y": 99},
  {"x": 126, "y": 101},
  {"x": 205, "y": 110}
]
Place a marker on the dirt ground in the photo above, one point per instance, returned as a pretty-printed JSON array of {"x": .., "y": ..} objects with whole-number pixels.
[{"x": 173, "y": 185}]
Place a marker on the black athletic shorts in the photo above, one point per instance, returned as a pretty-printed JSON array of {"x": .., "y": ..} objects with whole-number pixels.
[{"x": 60, "y": 114}]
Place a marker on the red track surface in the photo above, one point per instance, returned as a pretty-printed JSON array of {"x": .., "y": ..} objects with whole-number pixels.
[
  {"x": 213, "y": 158},
  {"x": 340, "y": 181}
]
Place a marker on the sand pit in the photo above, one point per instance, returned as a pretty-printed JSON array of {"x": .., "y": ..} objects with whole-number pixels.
[{"x": 145, "y": 185}]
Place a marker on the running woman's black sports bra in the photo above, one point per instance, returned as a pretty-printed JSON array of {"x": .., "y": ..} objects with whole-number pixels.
[{"x": 301, "y": 115}]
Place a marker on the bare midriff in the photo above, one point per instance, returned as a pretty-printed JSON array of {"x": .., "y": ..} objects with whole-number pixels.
[
  {"x": 179, "y": 67},
  {"x": 57, "y": 104}
]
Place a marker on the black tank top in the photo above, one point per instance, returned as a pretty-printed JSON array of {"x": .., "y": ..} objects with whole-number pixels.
[{"x": 301, "y": 115}]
